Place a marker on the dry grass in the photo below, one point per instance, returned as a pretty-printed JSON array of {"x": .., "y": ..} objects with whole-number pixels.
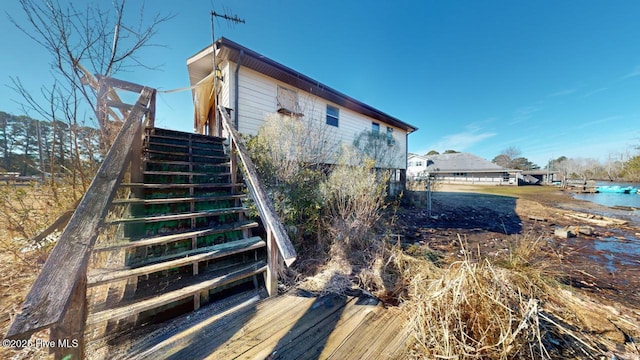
[
  {"x": 512, "y": 309},
  {"x": 19, "y": 270},
  {"x": 24, "y": 212},
  {"x": 473, "y": 309}
]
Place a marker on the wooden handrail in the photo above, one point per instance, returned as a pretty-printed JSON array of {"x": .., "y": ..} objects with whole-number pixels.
[
  {"x": 275, "y": 229},
  {"x": 57, "y": 297}
]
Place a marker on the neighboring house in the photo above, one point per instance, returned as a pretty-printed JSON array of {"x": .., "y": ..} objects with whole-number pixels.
[
  {"x": 253, "y": 86},
  {"x": 416, "y": 166},
  {"x": 461, "y": 168}
]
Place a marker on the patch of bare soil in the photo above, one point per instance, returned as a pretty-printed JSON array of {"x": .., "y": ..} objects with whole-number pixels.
[{"x": 491, "y": 220}]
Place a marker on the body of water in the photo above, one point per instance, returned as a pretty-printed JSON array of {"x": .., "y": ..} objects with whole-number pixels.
[
  {"x": 613, "y": 199},
  {"x": 624, "y": 248}
]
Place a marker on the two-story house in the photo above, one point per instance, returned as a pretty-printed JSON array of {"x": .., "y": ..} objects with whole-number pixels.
[{"x": 253, "y": 86}]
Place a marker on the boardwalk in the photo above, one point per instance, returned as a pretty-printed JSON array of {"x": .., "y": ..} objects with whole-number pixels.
[{"x": 291, "y": 326}]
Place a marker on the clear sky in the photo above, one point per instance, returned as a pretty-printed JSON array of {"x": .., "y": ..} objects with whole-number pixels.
[{"x": 549, "y": 77}]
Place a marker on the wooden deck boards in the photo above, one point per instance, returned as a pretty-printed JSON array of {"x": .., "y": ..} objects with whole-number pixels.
[{"x": 291, "y": 326}]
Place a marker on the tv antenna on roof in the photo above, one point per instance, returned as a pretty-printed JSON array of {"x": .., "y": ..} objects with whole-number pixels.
[
  {"x": 217, "y": 73},
  {"x": 232, "y": 19}
]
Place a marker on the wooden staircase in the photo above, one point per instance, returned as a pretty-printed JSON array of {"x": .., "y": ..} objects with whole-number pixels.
[
  {"x": 162, "y": 230},
  {"x": 186, "y": 240}
]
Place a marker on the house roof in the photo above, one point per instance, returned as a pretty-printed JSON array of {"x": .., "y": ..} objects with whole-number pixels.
[
  {"x": 200, "y": 65},
  {"x": 416, "y": 156},
  {"x": 461, "y": 162}
]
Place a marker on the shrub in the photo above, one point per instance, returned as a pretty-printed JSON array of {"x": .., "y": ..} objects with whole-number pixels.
[
  {"x": 353, "y": 196},
  {"x": 288, "y": 154}
]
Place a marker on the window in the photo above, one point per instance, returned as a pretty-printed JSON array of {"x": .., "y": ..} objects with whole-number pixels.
[
  {"x": 375, "y": 127},
  {"x": 419, "y": 163},
  {"x": 287, "y": 101},
  {"x": 390, "y": 140},
  {"x": 332, "y": 115}
]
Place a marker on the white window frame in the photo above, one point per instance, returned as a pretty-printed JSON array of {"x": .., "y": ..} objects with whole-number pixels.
[{"x": 333, "y": 118}]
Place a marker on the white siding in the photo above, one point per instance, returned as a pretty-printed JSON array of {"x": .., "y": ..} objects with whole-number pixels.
[
  {"x": 225, "y": 93},
  {"x": 474, "y": 178},
  {"x": 258, "y": 98},
  {"x": 413, "y": 169}
]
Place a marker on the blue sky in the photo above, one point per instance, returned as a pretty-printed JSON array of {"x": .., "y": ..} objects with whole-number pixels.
[{"x": 549, "y": 77}]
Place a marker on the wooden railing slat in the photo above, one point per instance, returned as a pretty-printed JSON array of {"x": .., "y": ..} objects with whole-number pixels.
[
  {"x": 263, "y": 203},
  {"x": 121, "y": 84},
  {"x": 50, "y": 295}
]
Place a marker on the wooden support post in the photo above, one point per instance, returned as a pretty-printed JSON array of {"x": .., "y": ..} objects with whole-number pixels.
[
  {"x": 204, "y": 297},
  {"x": 234, "y": 164},
  {"x": 136, "y": 157},
  {"x": 102, "y": 111},
  {"x": 271, "y": 277},
  {"x": 196, "y": 301},
  {"x": 234, "y": 178},
  {"x": 151, "y": 115},
  {"x": 67, "y": 337},
  {"x": 212, "y": 122}
]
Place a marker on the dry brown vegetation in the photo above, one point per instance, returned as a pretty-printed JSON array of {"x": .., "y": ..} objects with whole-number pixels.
[
  {"x": 460, "y": 305},
  {"x": 511, "y": 308},
  {"x": 456, "y": 306},
  {"x": 466, "y": 305},
  {"x": 26, "y": 210}
]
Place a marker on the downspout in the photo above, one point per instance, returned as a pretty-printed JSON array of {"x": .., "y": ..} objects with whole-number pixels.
[{"x": 237, "y": 89}]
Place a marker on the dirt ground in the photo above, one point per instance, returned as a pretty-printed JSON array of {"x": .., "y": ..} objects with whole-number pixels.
[{"x": 492, "y": 219}]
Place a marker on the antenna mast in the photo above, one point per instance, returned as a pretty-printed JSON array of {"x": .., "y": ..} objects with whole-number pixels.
[{"x": 231, "y": 19}]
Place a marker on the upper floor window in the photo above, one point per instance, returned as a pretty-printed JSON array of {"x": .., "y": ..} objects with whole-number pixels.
[
  {"x": 419, "y": 163},
  {"x": 375, "y": 127},
  {"x": 332, "y": 115}
]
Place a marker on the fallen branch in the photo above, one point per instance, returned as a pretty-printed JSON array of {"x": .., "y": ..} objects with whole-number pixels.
[
  {"x": 596, "y": 219},
  {"x": 566, "y": 331}
]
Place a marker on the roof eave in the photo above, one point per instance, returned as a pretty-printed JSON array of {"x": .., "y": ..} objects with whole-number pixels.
[{"x": 271, "y": 68}]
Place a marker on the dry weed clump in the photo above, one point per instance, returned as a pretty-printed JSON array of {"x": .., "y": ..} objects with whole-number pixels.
[
  {"x": 354, "y": 196},
  {"x": 511, "y": 309},
  {"x": 473, "y": 309}
]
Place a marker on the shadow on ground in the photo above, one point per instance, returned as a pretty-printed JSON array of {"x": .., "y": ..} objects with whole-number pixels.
[{"x": 463, "y": 211}]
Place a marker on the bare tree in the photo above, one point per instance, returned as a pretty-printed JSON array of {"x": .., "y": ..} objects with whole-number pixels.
[
  {"x": 614, "y": 166},
  {"x": 291, "y": 145},
  {"x": 379, "y": 147},
  {"x": 96, "y": 36},
  {"x": 506, "y": 157}
]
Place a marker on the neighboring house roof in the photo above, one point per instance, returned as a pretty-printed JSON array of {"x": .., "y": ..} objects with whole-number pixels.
[
  {"x": 461, "y": 162},
  {"x": 537, "y": 172},
  {"x": 414, "y": 156},
  {"x": 200, "y": 65}
]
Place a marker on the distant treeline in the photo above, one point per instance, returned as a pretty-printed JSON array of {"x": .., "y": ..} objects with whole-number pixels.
[{"x": 35, "y": 147}]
